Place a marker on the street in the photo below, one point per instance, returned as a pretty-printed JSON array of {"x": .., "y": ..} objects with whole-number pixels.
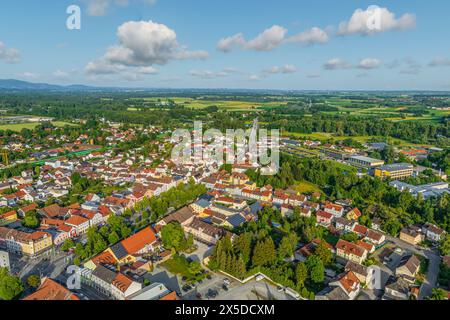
[{"x": 433, "y": 267}]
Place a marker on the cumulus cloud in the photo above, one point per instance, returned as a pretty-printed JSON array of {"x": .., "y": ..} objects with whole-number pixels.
[
  {"x": 369, "y": 63},
  {"x": 335, "y": 64},
  {"x": 268, "y": 40},
  {"x": 100, "y": 7},
  {"x": 9, "y": 55},
  {"x": 208, "y": 74},
  {"x": 288, "y": 68},
  {"x": 311, "y": 36},
  {"x": 375, "y": 20},
  {"x": 142, "y": 44},
  {"x": 272, "y": 38},
  {"x": 440, "y": 62}
]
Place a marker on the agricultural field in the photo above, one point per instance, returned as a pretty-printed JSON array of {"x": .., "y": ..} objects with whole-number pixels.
[
  {"x": 31, "y": 125},
  {"x": 234, "y": 105},
  {"x": 322, "y": 136}
]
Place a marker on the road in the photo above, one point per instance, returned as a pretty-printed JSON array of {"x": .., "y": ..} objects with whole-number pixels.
[{"x": 433, "y": 267}]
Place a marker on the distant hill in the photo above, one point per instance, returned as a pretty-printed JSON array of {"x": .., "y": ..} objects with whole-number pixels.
[{"x": 19, "y": 85}]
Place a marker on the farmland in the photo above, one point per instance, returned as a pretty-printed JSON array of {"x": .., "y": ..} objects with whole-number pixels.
[{"x": 30, "y": 125}]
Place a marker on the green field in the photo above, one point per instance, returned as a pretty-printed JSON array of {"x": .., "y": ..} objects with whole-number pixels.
[
  {"x": 235, "y": 105},
  {"x": 306, "y": 187},
  {"x": 323, "y": 136},
  {"x": 31, "y": 125}
]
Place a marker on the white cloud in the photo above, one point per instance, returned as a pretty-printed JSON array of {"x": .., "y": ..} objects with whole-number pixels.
[
  {"x": 311, "y": 36},
  {"x": 272, "y": 38},
  {"x": 375, "y": 20},
  {"x": 369, "y": 63},
  {"x": 229, "y": 43},
  {"x": 208, "y": 74},
  {"x": 335, "y": 64},
  {"x": 100, "y": 7},
  {"x": 28, "y": 75},
  {"x": 142, "y": 44},
  {"x": 254, "y": 77},
  {"x": 9, "y": 55},
  {"x": 440, "y": 62},
  {"x": 288, "y": 68},
  {"x": 268, "y": 40}
]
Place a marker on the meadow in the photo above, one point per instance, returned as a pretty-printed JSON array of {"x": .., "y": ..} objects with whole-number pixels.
[{"x": 31, "y": 125}]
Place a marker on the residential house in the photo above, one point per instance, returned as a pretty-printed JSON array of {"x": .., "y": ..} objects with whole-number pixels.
[
  {"x": 110, "y": 282},
  {"x": 350, "y": 251},
  {"x": 408, "y": 267},
  {"x": 335, "y": 209},
  {"x": 412, "y": 235},
  {"x": 204, "y": 232},
  {"x": 344, "y": 225},
  {"x": 80, "y": 223},
  {"x": 324, "y": 218},
  {"x": 30, "y": 244},
  {"x": 432, "y": 232},
  {"x": 348, "y": 282},
  {"x": 184, "y": 216},
  {"x": 364, "y": 274},
  {"x": 50, "y": 290},
  {"x": 397, "y": 289},
  {"x": 354, "y": 214},
  {"x": 8, "y": 217},
  {"x": 140, "y": 243}
]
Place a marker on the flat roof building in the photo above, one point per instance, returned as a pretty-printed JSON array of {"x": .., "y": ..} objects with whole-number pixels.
[
  {"x": 394, "y": 171},
  {"x": 365, "y": 162}
]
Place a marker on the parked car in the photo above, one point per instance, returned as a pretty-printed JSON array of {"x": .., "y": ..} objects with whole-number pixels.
[{"x": 226, "y": 281}]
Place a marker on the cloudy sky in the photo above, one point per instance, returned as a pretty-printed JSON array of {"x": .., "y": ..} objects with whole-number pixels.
[{"x": 273, "y": 44}]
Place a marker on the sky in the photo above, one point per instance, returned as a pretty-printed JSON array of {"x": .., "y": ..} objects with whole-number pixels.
[{"x": 254, "y": 44}]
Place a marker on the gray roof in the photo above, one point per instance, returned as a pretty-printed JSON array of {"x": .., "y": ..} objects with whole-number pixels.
[
  {"x": 236, "y": 220},
  {"x": 332, "y": 293},
  {"x": 104, "y": 274}
]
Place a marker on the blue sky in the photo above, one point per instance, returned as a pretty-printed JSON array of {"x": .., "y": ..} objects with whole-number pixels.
[{"x": 273, "y": 44}]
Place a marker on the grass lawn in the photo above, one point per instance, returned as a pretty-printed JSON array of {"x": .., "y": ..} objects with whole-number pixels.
[
  {"x": 180, "y": 266},
  {"x": 306, "y": 187},
  {"x": 31, "y": 125}
]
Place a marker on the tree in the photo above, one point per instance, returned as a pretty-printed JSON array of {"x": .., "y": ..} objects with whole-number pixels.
[
  {"x": 316, "y": 269},
  {"x": 31, "y": 220},
  {"x": 67, "y": 245},
  {"x": 243, "y": 246},
  {"x": 444, "y": 245},
  {"x": 350, "y": 237},
  {"x": 437, "y": 294},
  {"x": 34, "y": 281},
  {"x": 10, "y": 286},
  {"x": 286, "y": 248},
  {"x": 301, "y": 274},
  {"x": 264, "y": 253},
  {"x": 173, "y": 237},
  {"x": 324, "y": 253},
  {"x": 113, "y": 238}
]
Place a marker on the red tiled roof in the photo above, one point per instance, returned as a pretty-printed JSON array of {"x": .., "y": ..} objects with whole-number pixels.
[
  {"x": 51, "y": 290},
  {"x": 139, "y": 240}
]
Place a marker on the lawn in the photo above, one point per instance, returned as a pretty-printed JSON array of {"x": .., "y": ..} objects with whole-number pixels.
[
  {"x": 31, "y": 125},
  {"x": 180, "y": 266},
  {"x": 306, "y": 187},
  {"x": 323, "y": 136}
]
